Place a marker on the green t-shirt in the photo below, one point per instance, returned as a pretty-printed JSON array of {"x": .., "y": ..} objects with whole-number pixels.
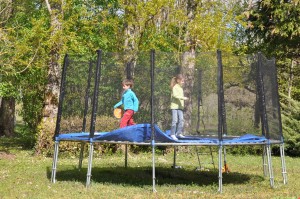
[{"x": 177, "y": 97}]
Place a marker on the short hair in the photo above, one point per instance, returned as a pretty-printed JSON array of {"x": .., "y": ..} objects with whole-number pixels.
[{"x": 128, "y": 82}]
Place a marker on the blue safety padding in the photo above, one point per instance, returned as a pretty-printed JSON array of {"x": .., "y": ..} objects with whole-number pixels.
[
  {"x": 142, "y": 133},
  {"x": 134, "y": 133},
  {"x": 248, "y": 138}
]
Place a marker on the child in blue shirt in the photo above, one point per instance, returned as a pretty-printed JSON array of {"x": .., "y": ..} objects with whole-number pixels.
[{"x": 130, "y": 102}]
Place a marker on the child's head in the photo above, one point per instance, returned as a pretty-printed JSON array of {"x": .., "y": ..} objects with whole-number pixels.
[
  {"x": 178, "y": 79},
  {"x": 127, "y": 83}
]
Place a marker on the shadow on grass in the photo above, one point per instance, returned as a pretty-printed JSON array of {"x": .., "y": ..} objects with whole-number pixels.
[{"x": 142, "y": 176}]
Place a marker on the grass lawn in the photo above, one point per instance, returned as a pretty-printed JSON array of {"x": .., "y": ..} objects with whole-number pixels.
[{"x": 23, "y": 175}]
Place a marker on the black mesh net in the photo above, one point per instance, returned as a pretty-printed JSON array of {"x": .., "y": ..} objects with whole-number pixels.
[
  {"x": 77, "y": 95},
  {"x": 242, "y": 105},
  {"x": 241, "y": 100},
  {"x": 270, "y": 89}
]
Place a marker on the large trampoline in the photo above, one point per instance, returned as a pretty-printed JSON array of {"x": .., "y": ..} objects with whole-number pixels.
[{"x": 233, "y": 100}]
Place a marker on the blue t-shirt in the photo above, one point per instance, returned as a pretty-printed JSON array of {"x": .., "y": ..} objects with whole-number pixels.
[{"x": 129, "y": 100}]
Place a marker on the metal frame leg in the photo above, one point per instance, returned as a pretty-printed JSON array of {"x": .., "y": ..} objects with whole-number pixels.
[
  {"x": 54, "y": 164},
  {"x": 153, "y": 167},
  {"x": 264, "y": 161},
  {"x": 174, "y": 159},
  {"x": 126, "y": 155},
  {"x": 283, "y": 165},
  {"x": 220, "y": 169},
  {"x": 81, "y": 156},
  {"x": 89, "y": 171},
  {"x": 270, "y": 166}
]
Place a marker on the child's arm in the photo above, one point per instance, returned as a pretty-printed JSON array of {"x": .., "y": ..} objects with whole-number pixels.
[{"x": 118, "y": 104}]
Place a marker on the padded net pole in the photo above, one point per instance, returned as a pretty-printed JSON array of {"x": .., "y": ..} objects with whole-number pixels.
[
  {"x": 262, "y": 97},
  {"x": 220, "y": 96},
  {"x": 96, "y": 91},
  {"x": 58, "y": 119},
  {"x": 61, "y": 95},
  {"x": 220, "y": 115},
  {"x": 199, "y": 100},
  {"x": 152, "y": 62},
  {"x": 282, "y": 156},
  {"x": 86, "y": 99}
]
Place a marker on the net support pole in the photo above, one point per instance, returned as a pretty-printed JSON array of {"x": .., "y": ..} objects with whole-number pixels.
[
  {"x": 54, "y": 164},
  {"x": 220, "y": 115},
  {"x": 86, "y": 106},
  {"x": 264, "y": 118},
  {"x": 152, "y": 63},
  {"x": 61, "y": 95},
  {"x": 93, "y": 117},
  {"x": 282, "y": 156}
]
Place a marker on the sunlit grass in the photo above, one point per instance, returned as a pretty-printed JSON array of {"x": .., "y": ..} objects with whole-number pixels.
[{"x": 23, "y": 175}]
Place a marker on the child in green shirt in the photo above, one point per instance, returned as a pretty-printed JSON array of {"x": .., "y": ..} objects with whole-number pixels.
[{"x": 177, "y": 105}]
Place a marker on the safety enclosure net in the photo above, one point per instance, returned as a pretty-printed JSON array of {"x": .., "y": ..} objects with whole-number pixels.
[{"x": 227, "y": 95}]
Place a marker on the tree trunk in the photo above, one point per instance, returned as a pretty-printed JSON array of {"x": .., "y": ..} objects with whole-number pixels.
[
  {"x": 51, "y": 97},
  {"x": 188, "y": 64},
  {"x": 7, "y": 116},
  {"x": 53, "y": 84}
]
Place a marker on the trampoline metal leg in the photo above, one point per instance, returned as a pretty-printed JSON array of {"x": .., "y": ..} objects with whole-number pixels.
[
  {"x": 89, "y": 171},
  {"x": 270, "y": 166},
  {"x": 126, "y": 155},
  {"x": 81, "y": 156},
  {"x": 54, "y": 164},
  {"x": 264, "y": 159},
  {"x": 220, "y": 169},
  {"x": 153, "y": 168},
  {"x": 174, "y": 159},
  {"x": 283, "y": 165}
]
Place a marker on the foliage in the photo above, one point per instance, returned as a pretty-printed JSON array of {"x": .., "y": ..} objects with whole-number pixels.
[
  {"x": 273, "y": 28},
  {"x": 291, "y": 125},
  {"x": 44, "y": 144}
]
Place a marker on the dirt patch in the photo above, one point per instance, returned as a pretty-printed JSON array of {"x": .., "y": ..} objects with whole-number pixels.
[{"x": 7, "y": 155}]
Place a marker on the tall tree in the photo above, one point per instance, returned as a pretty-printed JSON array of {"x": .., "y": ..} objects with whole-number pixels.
[
  {"x": 55, "y": 9},
  {"x": 273, "y": 28},
  {"x": 7, "y": 100}
]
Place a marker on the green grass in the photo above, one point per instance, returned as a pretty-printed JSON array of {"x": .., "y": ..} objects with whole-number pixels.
[{"x": 23, "y": 175}]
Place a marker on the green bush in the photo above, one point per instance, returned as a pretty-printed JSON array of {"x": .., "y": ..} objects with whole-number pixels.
[{"x": 44, "y": 142}]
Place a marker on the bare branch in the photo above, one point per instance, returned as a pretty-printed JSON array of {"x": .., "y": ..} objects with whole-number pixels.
[{"x": 48, "y": 6}]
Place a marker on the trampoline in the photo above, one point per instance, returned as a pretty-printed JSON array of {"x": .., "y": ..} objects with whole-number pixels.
[{"x": 232, "y": 101}]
